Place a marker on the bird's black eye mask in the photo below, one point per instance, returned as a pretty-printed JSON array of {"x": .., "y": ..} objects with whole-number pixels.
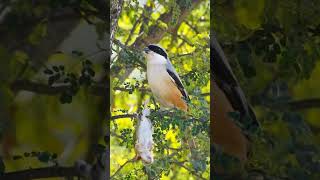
[{"x": 158, "y": 50}]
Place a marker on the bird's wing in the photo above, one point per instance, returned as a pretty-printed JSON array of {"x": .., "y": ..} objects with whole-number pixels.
[
  {"x": 176, "y": 79},
  {"x": 227, "y": 82}
]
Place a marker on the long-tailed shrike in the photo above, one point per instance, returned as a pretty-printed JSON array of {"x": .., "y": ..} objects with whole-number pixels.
[
  {"x": 163, "y": 79},
  {"x": 228, "y": 97}
]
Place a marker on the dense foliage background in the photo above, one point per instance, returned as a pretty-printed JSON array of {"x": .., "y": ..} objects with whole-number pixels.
[
  {"x": 53, "y": 91},
  {"x": 273, "y": 47},
  {"x": 182, "y": 28}
]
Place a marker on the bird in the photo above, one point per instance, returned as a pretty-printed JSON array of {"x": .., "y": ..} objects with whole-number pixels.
[
  {"x": 163, "y": 79},
  {"x": 227, "y": 96},
  {"x": 165, "y": 83}
]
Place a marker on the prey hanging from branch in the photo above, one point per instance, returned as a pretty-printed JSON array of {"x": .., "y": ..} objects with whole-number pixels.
[{"x": 144, "y": 140}]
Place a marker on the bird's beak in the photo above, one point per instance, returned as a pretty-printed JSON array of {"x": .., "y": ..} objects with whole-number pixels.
[{"x": 146, "y": 50}]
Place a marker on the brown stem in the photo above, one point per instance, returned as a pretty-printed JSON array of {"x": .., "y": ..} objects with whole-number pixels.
[
  {"x": 116, "y": 8},
  {"x": 123, "y": 116},
  {"x": 297, "y": 104},
  {"x": 133, "y": 29},
  {"x": 48, "y": 172},
  {"x": 118, "y": 170},
  {"x": 180, "y": 164},
  {"x": 40, "y": 88}
]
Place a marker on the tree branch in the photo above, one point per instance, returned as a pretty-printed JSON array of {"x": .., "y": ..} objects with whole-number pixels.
[
  {"x": 16, "y": 40},
  {"x": 192, "y": 27},
  {"x": 123, "y": 116},
  {"x": 39, "y": 88},
  {"x": 180, "y": 164},
  {"x": 102, "y": 6},
  {"x": 133, "y": 29},
  {"x": 116, "y": 8},
  {"x": 155, "y": 34},
  {"x": 297, "y": 104},
  {"x": 42, "y": 173},
  {"x": 118, "y": 170}
]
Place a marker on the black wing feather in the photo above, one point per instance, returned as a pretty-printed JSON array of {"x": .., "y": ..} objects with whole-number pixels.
[
  {"x": 179, "y": 84},
  {"x": 226, "y": 80}
]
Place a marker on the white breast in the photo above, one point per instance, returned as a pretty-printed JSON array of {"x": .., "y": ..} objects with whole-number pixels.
[{"x": 158, "y": 80}]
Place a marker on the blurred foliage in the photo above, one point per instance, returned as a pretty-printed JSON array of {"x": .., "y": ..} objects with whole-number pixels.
[
  {"x": 273, "y": 47},
  {"x": 188, "y": 49},
  {"x": 38, "y": 130}
]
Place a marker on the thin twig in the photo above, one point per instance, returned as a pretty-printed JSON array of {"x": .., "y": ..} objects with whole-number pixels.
[
  {"x": 118, "y": 170},
  {"x": 184, "y": 39},
  {"x": 42, "y": 173},
  {"x": 23, "y": 70},
  {"x": 41, "y": 88},
  {"x": 132, "y": 30},
  {"x": 180, "y": 164},
  {"x": 123, "y": 116},
  {"x": 182, "y": 55},
  {"x": 116, "y": 135},
  {"x": 126, "y": 89},
  {"x": 192, "y": 27},
  {"x": 296, "y": 104}
]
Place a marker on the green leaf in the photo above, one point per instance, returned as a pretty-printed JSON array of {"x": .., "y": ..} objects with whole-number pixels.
[
  {"x": 54, "y": 156},
  {"x": 77, "y": 53},
  {"x": 99, "y": 148},
  {"x": 44, "y": 157},
  {"x": 16, "y": 157},
  {"x": 91, "y": 72},
  {"x": 51, "y": 80},
  {"x": 61, "y": 67},
  {"x": 39, "y": 32},
  {"x": 55, "y": 68},
  {"x": 48, "y": 71}
]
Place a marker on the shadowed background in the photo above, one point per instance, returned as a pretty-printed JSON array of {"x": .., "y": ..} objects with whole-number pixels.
[
  {"x": 273, "y": 48},
  {"x": 53, "y": 92}
]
